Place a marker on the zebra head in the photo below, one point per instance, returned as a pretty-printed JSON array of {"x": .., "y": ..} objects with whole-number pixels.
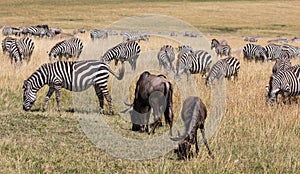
[
  {"x": 29, "y": 95},
  {"x": 214, "y": 43},
  {"x": 52, "y": 55},
  {"x": 272, "y": 90}
]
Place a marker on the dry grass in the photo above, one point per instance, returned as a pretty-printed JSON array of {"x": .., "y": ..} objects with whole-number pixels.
[{"x": 252, "y": 137}]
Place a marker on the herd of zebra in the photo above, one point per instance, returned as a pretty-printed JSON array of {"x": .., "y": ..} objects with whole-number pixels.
[{"x": 188, "y": 61}]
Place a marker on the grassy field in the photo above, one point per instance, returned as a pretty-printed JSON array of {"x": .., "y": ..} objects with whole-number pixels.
[{"x": 251, "y": 138}]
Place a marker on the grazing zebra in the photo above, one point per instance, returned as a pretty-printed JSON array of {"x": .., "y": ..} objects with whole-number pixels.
[
  {"x": 6, "y": 31},
  {"x": 227, "y": 67},
  {"x": 26, "y": 47},
  {"x": 18, "y": 49},
  {"x": 6, "y": 42},
  {"x": 39, "y": 30},
  {"x": 192, "y": 63},
  {"x": 256, "y": 52},
  {"x": 66, "y": 48},
  {"x": 250, "y": 39},
  {"x": 281, "y": 64},
  {"x": 286, "y": 83},
  {"x": 98, "y": 34},
  {"x": 165, "y": 57},
  {"x": 126, "y": 51},
  {"x": 220, "y": 49},
  {"x": 74, "y": 76},
  {"x": 293, "y": 51},
  {"x": 135, "y": 36},
  {"x": 274, "y": 51}
]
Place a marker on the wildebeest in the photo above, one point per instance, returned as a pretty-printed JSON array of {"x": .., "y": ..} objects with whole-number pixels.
[
  {"x": 193, "y": 114},
  {"x": 152, "y": 91}
]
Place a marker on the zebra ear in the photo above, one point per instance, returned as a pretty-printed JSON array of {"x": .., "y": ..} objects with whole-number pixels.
[
  {"x": 267, "y": 88},
  {"x": 24, "y": 84}
]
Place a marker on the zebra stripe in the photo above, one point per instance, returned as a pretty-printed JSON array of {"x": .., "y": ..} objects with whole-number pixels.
[
  {"x": 165, "y": 57},
  {"x": 98, "y": 34},
  {"x": 6, "y": 31},
  {"x": 220, "y": 49},
  {"x": 126, "y": 51},
  {"x": 227, "y": 67},
  {"x": 66, "y": 48},
  {"x": 71, "y": 75},
  {"x": 256, "y": 52},
  {"x": 14, "y": 53},
  {"x": 286, "y": 83},
  {"x": 192, "y": 63}
]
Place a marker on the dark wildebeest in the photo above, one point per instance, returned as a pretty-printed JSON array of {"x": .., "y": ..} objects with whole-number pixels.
[
  {"x": 193, "y": 114},
  {"x": 152, "y": 91}
]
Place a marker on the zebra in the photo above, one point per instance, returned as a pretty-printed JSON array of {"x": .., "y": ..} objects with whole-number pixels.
[
  {"x": 192, "y": 62},
  {"x": 26, "y": 47},
  {"x": 293, "y": 51},
  {"x": 226, "y": 67},
  {"x": 66, "y": 48},
  {"x": 281, "y": 64},
  {"x": 125, "y": 51},
  {"x": 220, "y": 49},
  {"x": 39, "y": 30},
  {"x": 286, "y": 83},
  {"x": 71, "y": 75},
  {"x": 250, "y": 39},
  {"x": 6, "y": 31},
  {"x": 135, "y": 36},
  {"x": 274, "y": 51},
  {"x": 256, "y": 52},
  {"x": 98, "y": 34},
  {"x": 165, "y": 57},
  {"x": 6, "y": 42}
]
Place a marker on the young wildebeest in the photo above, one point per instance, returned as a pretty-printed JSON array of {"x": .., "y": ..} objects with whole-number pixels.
[
  {"x": 193, "y": 114},
  {"x": 152, "y": 91}
]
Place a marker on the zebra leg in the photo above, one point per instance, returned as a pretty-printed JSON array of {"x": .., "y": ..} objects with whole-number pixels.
[
  {"x": 49, "y": 94},
  {"x": 57, "y": 92},
  {"x": 108, "y": 99},
  {"x": 100, "y": 98}
]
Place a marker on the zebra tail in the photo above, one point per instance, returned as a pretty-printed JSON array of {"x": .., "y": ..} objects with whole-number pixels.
[{"x": 121, "y": 72}]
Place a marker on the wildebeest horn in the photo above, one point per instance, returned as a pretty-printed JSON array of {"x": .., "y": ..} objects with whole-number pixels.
[
  {"x": 127, "y": 103},
  {"x": 180, "y": 137}
]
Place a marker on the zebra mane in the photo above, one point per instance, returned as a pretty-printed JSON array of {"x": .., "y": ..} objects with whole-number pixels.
[{"x": 215, "y": 40}]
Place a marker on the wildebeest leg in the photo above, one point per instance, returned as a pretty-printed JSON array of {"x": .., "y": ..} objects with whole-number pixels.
[
  {"x": 49, "y": 94},
  {"x": 205, "y": 142},
  {"x": 196, "y": 143},
  {"x": 100, "y": 97}
]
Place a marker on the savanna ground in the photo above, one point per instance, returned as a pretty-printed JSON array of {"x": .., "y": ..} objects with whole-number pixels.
[{"x": 251, "y": 138}]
